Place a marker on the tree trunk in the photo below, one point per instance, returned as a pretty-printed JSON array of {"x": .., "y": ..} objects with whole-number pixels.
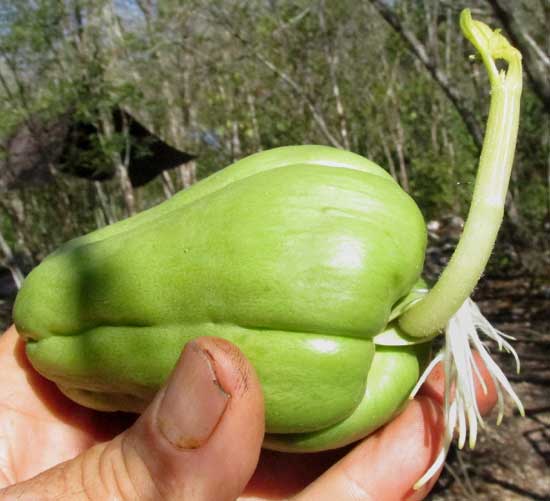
[
  {"x": 251, "y": 101},
  {"x": 399, "y": 140},
  {"x": 189, "y": 173},
  {"x": 332, "y": 61},
  {"x": 10, "y": 262},
  {"x": 104, "y": 203}
]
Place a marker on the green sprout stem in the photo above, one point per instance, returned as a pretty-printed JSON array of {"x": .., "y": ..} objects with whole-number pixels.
[{"x": 466, "y": 266}]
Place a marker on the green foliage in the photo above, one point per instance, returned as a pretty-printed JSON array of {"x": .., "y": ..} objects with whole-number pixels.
[
  {"x": 533, "y": 156},
  {"x": 226, "y": 79}
]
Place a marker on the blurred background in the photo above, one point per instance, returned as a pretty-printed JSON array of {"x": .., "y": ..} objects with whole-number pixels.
[{"x": 108, "y": 107}]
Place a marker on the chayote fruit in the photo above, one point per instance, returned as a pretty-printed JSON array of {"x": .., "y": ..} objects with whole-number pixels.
[{"x": 297, "y": 255}]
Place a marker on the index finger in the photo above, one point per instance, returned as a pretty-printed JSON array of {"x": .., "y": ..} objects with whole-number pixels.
[
  {"x": 434, "y": 387},
  {"x": 389, "y": 462}
]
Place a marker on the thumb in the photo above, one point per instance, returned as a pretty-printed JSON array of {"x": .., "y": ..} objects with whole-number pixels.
[{"x": 199, "y": 440}]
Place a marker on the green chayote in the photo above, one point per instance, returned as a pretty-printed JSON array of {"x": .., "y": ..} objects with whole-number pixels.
[{"x": 298, "y": 255}]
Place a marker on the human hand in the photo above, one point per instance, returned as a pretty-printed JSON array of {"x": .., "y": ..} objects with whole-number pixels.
[{"x": 51, "y": 448}]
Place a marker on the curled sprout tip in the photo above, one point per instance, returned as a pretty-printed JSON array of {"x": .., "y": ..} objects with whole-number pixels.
[
  {"x": 491, "y": 45},
  {"x": 448, "y": 304},
  {"x": 461, "y": 411}
]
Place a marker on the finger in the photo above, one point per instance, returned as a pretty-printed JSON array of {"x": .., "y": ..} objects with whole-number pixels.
[
  {"x": 41, "y": 400},
  {"x": 387, "y": 464},
  {"x": 34, "y": 414},
  {"x": 35, "y": 394},
  {"x": 200, "y": 439},
  {"x": 280, "y": 475},
  {"x": 486, "y": 393}
]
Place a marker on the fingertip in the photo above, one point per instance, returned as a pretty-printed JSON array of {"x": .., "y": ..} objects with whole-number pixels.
[
  {"x": 408, "y": 445},
  {"x": 434, "y": 386},
  {"x": 202, "y": 435},
  {"x": 233, "y": 450},
  {"x": 235, "y": 373},
  {"x": 486, "y": 392}
]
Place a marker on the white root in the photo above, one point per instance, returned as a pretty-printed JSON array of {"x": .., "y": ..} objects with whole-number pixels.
[{"x": 461, "y": 411}]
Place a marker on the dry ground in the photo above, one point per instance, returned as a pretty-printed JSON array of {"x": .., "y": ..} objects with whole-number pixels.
[{"x": 511, "y": 462}]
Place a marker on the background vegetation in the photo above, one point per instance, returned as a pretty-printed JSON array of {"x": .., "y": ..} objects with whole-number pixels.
[
  {"x": 391, "y": 80},
  {"x": 227, "y": 78}
]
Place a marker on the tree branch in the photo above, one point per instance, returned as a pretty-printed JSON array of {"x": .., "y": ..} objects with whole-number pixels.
[
  {"x": 535, "y": 61},
  {"x": 297, "y": 88},
  {"x": 419, "y": 50}
]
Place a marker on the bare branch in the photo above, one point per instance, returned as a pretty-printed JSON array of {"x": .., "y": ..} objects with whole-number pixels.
[
  {"x": 419, "y": 50},
  {"x": 535, "y": 61},
  {"x": 297, "y": 88},
  {"x": 332, "y": 60},
  {"x": 317, "y": 117}
]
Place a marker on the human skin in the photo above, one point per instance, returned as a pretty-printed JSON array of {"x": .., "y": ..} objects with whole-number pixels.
[{"x": 51, "y": 448}]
